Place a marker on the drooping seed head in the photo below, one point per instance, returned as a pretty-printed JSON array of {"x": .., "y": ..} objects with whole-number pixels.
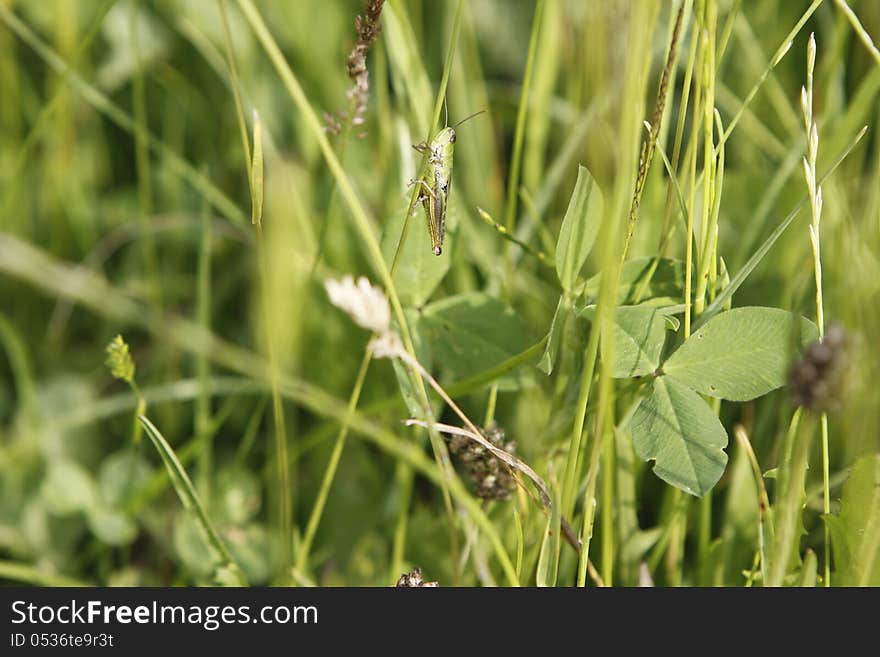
[
  {"x": 413, "y": 580},
  {"x": 491, "y": 477},
  {"x": 818, "y": 376}
]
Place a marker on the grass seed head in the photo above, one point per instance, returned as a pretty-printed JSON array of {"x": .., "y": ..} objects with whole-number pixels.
[
  {"x": 368, "y": 29},
  {"x": 119, "y": 360}
]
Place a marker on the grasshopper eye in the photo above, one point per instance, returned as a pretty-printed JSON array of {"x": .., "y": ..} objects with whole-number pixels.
[{"x": 452, "y": 137}]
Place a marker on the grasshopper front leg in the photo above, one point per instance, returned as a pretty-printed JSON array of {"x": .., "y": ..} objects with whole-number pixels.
[
  {"x": 424, "y": 185},
  {"x": 433, "y": 155}
]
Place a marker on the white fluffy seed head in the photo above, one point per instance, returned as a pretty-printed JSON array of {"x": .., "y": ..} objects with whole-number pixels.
[{"x": 365, "y": 304}]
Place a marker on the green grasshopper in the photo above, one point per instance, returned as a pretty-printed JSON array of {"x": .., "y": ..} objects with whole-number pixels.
[{"x": 435, "y": 191}]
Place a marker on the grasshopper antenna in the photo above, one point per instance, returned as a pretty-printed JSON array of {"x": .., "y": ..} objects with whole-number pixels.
[
  {"x": 468, "y": 118},
  {"x": 446, "y": 112}
]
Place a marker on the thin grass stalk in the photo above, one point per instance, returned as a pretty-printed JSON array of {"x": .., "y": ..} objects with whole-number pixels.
[
  {"x": 236, "y": 91},
  {"x": 650, "y": 141},
  {"x": 519, "y": 134},
  {"x": 704, "y": 255},
  {"x": 679, "y": 134},
  {"x": 765, "y": 517},
  {"x": 724, "y": 296},
  {"x": 792, "y": 476},
  {"x": 774, "y": 62},
  {"x": 203, "y": 368},
  {"x": 859, "y": 29},
  {"x": 302, "y": 557},
  {"x": 815, "y": 194},
  {"x": 33, "y": 576},
  {"x": 142, "y": 157},
  {"x": 285, "y": 491}
]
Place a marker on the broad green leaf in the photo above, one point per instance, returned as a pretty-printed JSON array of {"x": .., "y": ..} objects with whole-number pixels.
[
  {"x": 636, "y": 546},
  {"x": 249, "y": 545},
  {"x": 579, "y": 228},
  {"x": 554, "y": 337},
  {"x": 191, "y": 547},
  {"x": 639, "y": 334},
  {"x": 423, "y": 354},
  {"x": 638, "y": 284},
  {"x": 672, "y": 322},
  {"x": 472, "y": 332},
  {"x": 493, "y": 374},
  {"x": 808, "y": 574},
  {"x": 122, "y": 30},
  {"x": 740, "y": 354},
  {"x": 237, "y": 497},
  {"x": 122, "y": 474},
  {"x": 68, "y": 487},
  {"x": 406, "y": 389},
  {"x": 111, "y": 526},
  {"x": 678, "y": 430},
  {"x": 855, "y": 533},
  {"x": 419, "y": 271}
]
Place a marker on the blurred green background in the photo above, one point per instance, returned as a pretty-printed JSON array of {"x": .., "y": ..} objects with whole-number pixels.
[{"x": 125, "y": 209}]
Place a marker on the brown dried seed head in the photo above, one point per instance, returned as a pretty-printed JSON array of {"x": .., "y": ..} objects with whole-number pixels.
[
  {"x": 817, "y": 377},
  {"x": 820, "y": 353},
  {"x": 491, "y": 477},
  {"x": 414, "y": 579},
  {"x": 368, "y": 29}
]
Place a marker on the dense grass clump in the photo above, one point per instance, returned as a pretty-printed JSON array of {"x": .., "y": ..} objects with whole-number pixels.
[{"x": 645, "y": 355}]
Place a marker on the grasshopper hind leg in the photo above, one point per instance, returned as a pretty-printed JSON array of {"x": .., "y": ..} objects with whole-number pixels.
[{"x": 429, "y": 199}]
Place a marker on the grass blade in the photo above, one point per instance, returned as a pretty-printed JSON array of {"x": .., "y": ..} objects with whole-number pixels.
[{"x": 227, "y": 568}]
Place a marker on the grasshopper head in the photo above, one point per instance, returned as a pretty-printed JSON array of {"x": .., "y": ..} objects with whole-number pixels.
[{"x": 445, "y": 136}]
